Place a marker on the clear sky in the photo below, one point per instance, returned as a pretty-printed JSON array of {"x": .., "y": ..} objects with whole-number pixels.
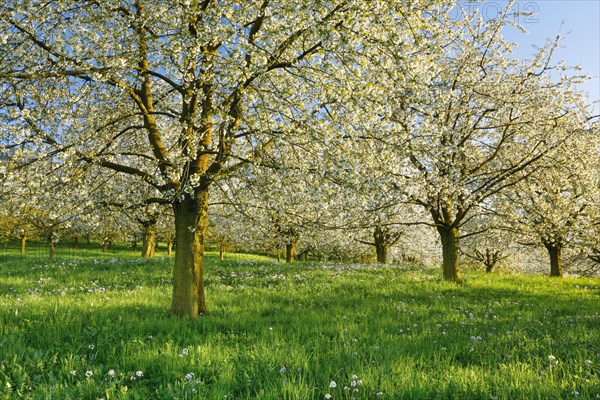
[{"x": 579, "y": 20}]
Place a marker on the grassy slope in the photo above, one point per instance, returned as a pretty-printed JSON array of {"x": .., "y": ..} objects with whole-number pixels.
[{"x": 286, "y": 332}]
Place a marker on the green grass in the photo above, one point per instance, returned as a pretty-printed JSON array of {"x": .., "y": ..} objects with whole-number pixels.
[{"x": 286, "y": 332}]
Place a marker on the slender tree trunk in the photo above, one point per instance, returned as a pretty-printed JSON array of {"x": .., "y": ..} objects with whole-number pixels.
[
  {"x": 169, "y": 247},
  {"x": 449, "y": 240},
  {"x": 51, "y": 249},
  {"x": 23, "y": 244},
  {"x": 221, "y": 250},
  {"x": 149, "y": 242},
  {"x": 489, "y": 261},
  {"x": 554, "y": 251},
  {"x": 191, "y": 221},
  {"x": 75, "y": 242}
]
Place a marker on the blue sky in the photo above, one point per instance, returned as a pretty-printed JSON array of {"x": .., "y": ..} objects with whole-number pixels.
[{"x": 579, "y": 20}]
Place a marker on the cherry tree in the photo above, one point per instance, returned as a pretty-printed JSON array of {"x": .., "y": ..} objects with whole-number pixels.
[
  {"x": 557, "y": 206},
  {"x": 465, "y": 119},
  {"x": 176, "y": 94}
]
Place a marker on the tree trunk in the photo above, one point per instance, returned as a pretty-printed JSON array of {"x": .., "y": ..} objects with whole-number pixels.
[
  {"x": 381, "y": 248},
  {"x": 191, "y": 221},
  {"x": 290, "y": 250},
  {"x": 149, "y": 241},
  {"x": 382, "y": 252},
  {"x": 221, "y": 250},
  {"x": 489, "y": 261},
  {"x": 554, "y": 251},
  {"x": 51, "y": 246},
  {"x": 169, "y": 247},
  {"x": 23, "y": 244},
  {"x": 450, "y": 244}
]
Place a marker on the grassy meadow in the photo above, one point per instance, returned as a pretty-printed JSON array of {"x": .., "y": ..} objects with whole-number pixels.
[{"x": 98, "y": 327}]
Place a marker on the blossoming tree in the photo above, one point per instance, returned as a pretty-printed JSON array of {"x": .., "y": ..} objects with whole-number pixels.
[
  {"x": 176, "y": 94},
  {"x": 464, "y": 118}
]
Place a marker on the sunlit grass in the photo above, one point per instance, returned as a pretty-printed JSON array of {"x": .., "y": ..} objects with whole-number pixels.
[{"x": 98, "y": 327}]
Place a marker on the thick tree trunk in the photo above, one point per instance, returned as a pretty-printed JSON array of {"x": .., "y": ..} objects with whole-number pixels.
[
  {"x": 381, "y": 248},
  {"x": 449, "y": 240},
  {"x": 149, "y": 241},
  {"x": 554, "y": 251},
  {"x": 382, "y": 253},
  {"x": 290, "y": 250},
  {"x": 191, "y": 221}
]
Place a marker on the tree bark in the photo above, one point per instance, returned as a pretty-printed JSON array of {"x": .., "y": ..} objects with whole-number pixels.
[
  {"x": 489, "y": 261},
  {"x": 450, "y": 245},
  {"x": 169, "y": 247},
  {"x": 381, "y": 247},
  {"x": 51, "y": 246},
  {"x": 191, "y": 222},
  {"x": 290, "y": 250},
  {"x": 555, "y": 251},
  {"x": 23, "y": 244},
  {"x": 221, "y": 250},
  {"x": 106, "y": 245},
  {"x": 149, "y": 241}
]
